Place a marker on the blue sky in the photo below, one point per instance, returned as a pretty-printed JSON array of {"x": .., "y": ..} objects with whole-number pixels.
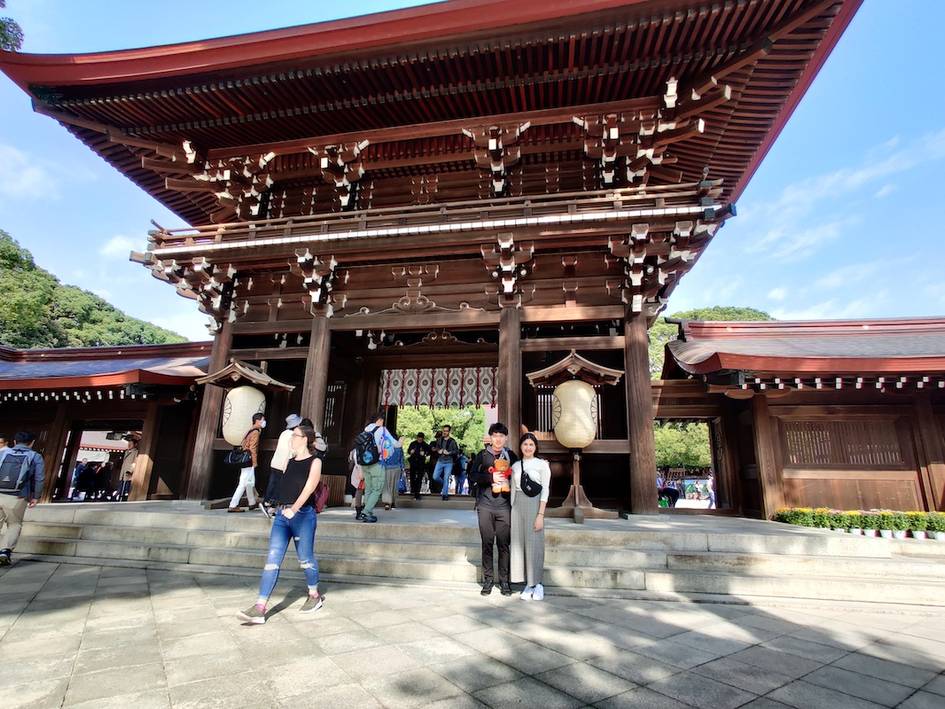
[{"x": 841, "y": 220}]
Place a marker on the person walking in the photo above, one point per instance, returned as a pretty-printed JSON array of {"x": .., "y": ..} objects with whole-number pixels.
[
  {"x": 279, "y": 460},
  {"x": 417, "y": 454},
  {"x": 528, "y": 518},
  {"x": 489, "y": 475},
  {"x": 295, "y": 519},
  {"x": 446, "y": 451},
  {"x": 459, "y": 472},
  {"x": 128, "y": 460},
  {"x": 22, "y": 473},
  {"x": 374, "y": 473},
  {"x": 247, "y": 481}
]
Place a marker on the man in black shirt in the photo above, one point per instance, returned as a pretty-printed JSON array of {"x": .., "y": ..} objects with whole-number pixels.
[
  {"x": 417, "y": 454},
  {"x": 493, "y": 505},
  {"x": 445, "y": 451}
]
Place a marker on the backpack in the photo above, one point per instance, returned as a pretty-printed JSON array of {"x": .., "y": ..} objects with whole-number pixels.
[
  {"x": 365, "y": 448},
  {"x": 14, "y": 470},
  {"x": 320, "y": 496}
]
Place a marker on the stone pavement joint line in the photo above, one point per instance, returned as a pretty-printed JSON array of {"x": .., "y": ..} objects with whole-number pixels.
[{"x": 99, "y": 636}]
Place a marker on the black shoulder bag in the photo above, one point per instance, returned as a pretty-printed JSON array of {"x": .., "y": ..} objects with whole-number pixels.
[
  {"x": 532, "y": 488},
  {"x": 239, "y": 456}
]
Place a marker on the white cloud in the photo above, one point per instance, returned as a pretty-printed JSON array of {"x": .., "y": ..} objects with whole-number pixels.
[
  {"x": 23, "y": 177},
  {"x": 793, "y": 242},
  {"x": 102, "y": 293},
  {"x": 884, "y": 191},
  {"x": 848, "y": 275},
  {"x": 834, "y": 309},
  {"x": 778, "y": 294},
  {"x": 118, "y": 246}
]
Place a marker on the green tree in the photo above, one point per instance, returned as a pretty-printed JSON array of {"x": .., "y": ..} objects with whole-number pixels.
[
  {"x": 468, "y": 425},
  {"x": 662, "y": 331},
  {"x": 682, "y": 445},
  {"x": 37, "y": 311},
  {"x": 11, "y": 35}
]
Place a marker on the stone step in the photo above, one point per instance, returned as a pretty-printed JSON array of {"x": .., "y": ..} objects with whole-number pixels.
[
  {"x": 887, "y": 589},
  {"x": 788, "y": 565}
]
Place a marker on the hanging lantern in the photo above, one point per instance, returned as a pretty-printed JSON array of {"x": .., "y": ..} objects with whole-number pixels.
[
  {"x": 574, "y": 414},
  {"x": 238, "y": 409}
]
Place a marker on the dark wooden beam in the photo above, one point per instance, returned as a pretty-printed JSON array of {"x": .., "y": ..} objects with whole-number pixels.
[
  {"x": 270, "y": 353},
  {"x": 552, "y": 344},
  {"x": 396, "y": 322},
  {"x": 144, "y": 463},
  {"x": 315, "y": 387},
  {"x": 510, "y": 373},
  {"x": 931, "y": 451},
  {"x": 643, "y": 496},
  {"x": 769, "y": 472}
]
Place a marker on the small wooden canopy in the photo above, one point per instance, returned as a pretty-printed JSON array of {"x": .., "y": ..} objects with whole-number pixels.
[
  {"x": 574, "y": 366},
  {"x": 238, "y": 373}
]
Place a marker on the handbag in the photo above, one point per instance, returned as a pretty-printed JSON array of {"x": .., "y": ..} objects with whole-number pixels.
[
  {"x": 531, "y": 488},
  {"x": 320, "y": 496},
  {"x": 239, "y": 456}
]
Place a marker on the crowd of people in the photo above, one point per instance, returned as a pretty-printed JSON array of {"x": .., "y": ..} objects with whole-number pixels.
[{"x": 511, "y": 493}]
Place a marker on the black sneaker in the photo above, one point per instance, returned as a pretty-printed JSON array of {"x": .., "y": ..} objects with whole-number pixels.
[
  {"x": 486, "y": 588},
  {"x": 506, "y": 589},
  {"x": 371, "y": 519},
  {"x": 358, "y": 515},
  {"x": 5, "y": 557}
]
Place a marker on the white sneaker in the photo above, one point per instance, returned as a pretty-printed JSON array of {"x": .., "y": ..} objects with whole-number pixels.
[
  {"x": 526, "y": 595},
  {"x": 538, "y": 593}
]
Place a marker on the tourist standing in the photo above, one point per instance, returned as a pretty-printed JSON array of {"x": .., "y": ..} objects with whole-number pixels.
[
  {"x": 128, "y": 467},
  {"x": 393, "y": 469},
  {"x": 446, "y": 451},
  {"x": 417, "y": 454},
  {"x": 374, "y": 473},
  {"x": 22, "y": 473},
  {"x": 295, "y": 519},
  {"x": 528, "y": 518},
  {"x": 247, "y": 481},
  {"x": 462, "y": 463},
  {"x": 489, "y": 475},
  {"x": 279, "y": 460}
]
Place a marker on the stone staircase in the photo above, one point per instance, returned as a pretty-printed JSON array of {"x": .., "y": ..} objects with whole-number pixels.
[{"x": 656, "y": 557}]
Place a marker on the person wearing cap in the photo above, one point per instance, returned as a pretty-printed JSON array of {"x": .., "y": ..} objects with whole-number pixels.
[{"x": 279, "y": 460}]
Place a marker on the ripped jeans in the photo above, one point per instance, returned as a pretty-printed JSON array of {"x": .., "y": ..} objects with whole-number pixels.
[{"x": 301, "y": 529}]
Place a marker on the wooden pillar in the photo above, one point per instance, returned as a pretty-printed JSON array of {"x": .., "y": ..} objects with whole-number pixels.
[
  {"x": 54, "y": 449},
  {"x": 315, "y": 387},
  {"x": 144, "y": 463},
  {"x": 201, "y": 465},
  {"x": 510, "y": 373},
  {"x": 636, "y": 355},
  {"x": 769, "y": 472},
  {"x": 729, "y": 479},
  {"x": 931, "y": 449}
]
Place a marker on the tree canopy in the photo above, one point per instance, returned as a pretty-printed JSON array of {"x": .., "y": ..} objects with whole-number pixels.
[
  {"x": 11, "y": 35},
  {"x": 467, "y": 425},
  {"x": 662, "y": 331},
  {"x": 682, "y": 445},
  {"x": 37, "y": 311}
]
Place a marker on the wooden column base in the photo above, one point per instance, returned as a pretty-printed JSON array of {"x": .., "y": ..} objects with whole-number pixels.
[{"x": 576, "y": 504}]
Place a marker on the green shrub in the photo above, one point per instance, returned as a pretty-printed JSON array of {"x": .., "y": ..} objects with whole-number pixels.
[
  {"x": 820, "y": 517},
  {"x": 886, "y": 520},
  {"x": 870, "y": 520},
  {"x": 838, "y": 520},
  {"x": 802, "y": 516},
  {"x": 936, "y": 521},
  {"x": 918, "y": 521},
  {"x": 853, "y": 519},
  {"x": 899, "y": 521}
]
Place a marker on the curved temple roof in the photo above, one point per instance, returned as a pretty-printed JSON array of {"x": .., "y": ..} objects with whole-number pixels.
[
  {"x": 395, "y": 82},
  {"x": 810, "y": 347}
]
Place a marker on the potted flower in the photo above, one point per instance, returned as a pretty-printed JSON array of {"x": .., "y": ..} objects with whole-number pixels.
[
  {"x": 918, "y": 523},
  {"x": 854, "y": 521},
  {"x": 838, "y": 521},
  {"x": 886, "y": 524},
  {"x": 870, "y": 523},
  {"x": 900, "y": 525},
  {"x": 820, "y": 518},
  {"x": 936, "y": 525}
]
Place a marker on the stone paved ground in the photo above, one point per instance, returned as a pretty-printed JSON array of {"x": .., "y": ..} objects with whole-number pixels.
[{"x": 89, "y": 636}]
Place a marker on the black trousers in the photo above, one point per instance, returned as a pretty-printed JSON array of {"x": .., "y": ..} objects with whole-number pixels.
[
  {"x": 495, "y": 528},
  {"x": 417, "y": 471},
  {"x": 272, "y": 487}
]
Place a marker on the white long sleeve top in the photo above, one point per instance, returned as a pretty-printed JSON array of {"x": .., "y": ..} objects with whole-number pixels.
[{"x": 537, "y": 469}]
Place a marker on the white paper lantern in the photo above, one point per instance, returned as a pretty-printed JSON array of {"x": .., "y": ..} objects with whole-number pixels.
[
  {"x": 238, "y": 408},
  {"x": 574, "y": 414}
]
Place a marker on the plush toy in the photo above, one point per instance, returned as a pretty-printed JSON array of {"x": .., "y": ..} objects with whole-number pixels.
[{"x": 501, "y": 472}]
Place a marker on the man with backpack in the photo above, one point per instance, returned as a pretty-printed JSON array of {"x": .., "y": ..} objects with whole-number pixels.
[
  {"x": 368, "y": 447},
  {"x": 488, "y": 476},
  {"x": 21, "y": 483}
]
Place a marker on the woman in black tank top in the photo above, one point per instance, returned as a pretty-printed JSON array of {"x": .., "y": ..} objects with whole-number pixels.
[{"x": 295, "y": 519}]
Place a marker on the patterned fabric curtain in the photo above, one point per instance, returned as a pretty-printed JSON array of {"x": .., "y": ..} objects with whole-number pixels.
[{"x": 446, "y": 387}]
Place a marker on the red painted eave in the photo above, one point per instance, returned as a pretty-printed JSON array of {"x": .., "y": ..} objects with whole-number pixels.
[
  {"x": 385, "y": 29},
  {"x": 134, "y": 376},
  {"x": 724, "y": 361}
]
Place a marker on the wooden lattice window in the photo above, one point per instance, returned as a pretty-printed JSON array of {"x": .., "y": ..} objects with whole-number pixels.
[
  {"x": 334, "y": 412},
  {"x": 864, "y": 443}
]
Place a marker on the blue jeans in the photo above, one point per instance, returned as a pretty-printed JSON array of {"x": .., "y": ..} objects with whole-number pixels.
[
  {"x": 300, "y": 528},
  {"x": 443, "y": 469}
]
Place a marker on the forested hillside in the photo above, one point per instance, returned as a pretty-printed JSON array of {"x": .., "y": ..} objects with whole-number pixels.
[{"x": 37, "y": 311}]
